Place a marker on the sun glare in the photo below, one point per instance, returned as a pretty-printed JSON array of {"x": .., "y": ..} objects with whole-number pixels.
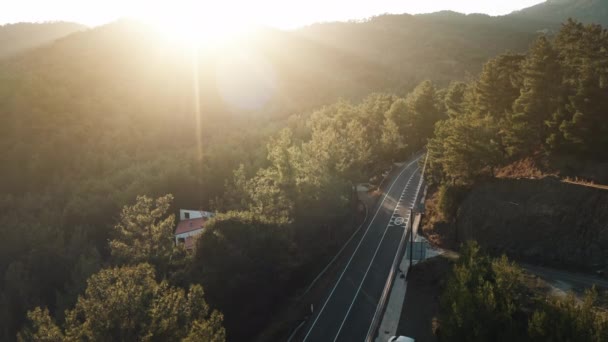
[{"x": 198, "y": 23}]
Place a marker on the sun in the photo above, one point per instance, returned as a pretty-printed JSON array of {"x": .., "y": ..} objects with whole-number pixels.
[{"x": 198, "y": 22}]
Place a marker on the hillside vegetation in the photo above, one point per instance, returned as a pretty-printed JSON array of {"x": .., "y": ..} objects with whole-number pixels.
[
  {"x": 256, "y": 131},
  {"x": 112, "y": 113},
  {"x": 491, "y": 299},
  {"x": 586, "y": 11},
  {"x": 15, "y": 38},
  {"x": 549, "y": 101},
  {"x": 525, "y": 124}
]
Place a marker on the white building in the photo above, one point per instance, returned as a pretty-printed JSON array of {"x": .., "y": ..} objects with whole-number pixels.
[{"x": 191, "y": 223}]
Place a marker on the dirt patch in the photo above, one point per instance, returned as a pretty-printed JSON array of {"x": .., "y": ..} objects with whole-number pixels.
[
  {"x": 562, "y": 167},
  {"x": 531, "y": 167},
  {"x": 435, "y": 228},
  {"x": 583, "y": 182}
]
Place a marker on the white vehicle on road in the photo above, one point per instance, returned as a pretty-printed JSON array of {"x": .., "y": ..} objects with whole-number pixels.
[{"x": 400, "y": 339}]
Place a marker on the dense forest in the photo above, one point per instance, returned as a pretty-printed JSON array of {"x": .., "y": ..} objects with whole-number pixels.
[
  {"x": 98, "y": 119},
  {"x": 15, "y": 38},
  {"x": 140, "y": 128},
  {"x": 492, "y": 299},
  {"x": 585, "y": 11},
  {"x": 278, "y": 218},
  {"x": 550, "y": 101}
]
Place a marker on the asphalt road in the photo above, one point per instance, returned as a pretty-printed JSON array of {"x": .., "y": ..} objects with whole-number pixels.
[
  {"x": 567, "y": 281},
  {"x": 346, "y": 312}
]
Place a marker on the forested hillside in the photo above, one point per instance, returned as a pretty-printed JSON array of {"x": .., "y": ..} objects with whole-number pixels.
[
  {"x": 550, "y": 100},
  {"x": 254, "y": 130},
  {"x": 493, "y": 299},
  {"x": 519, "y": 165},
  {"x": 113, "y": 113},
  {"x": 586, "y": 11},
  {"x": 442, "y": 46},
  {"x": 22, "y": 36}
]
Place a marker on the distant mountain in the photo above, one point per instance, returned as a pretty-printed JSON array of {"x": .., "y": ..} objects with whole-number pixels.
[
  {"x": 311, "y": 66},
  {"x": 15, "y": 38},
  {"x": 587, "y": 11},
  {"x": 406, "y": 49}
]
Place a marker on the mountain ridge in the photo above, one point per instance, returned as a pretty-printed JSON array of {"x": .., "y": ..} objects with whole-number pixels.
[
  {"x": 586, "y": 11},
  {"x": 15, "y": 38}
]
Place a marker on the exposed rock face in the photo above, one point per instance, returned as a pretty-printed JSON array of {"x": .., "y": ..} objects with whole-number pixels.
[{"x": 544, "y": 221}]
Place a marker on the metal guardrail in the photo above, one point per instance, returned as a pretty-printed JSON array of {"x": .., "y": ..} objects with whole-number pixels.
[
  {"x": 381, "y": 308},
  {"x": 408, "y": 233},
  {"x": 347, "y": 242}
]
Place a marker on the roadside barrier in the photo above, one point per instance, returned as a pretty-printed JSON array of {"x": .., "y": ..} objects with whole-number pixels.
[{"x": 407, "y": 234}]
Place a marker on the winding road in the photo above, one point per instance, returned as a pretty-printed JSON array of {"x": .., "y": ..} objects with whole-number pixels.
[{"x": 347, "y": 310}]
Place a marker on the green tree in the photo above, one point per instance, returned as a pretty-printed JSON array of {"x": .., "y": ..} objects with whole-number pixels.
[
  {"x": 43, "y": 328},
  {"x": 498, "y": 86},
  {"x": 86, "y": 265},
  {"x": 244, "y": 261},
  {"x": 569, "y": 320},
  {"x": 268, "y": 197},
  {"x": 393, "y": 131},
  {"x": 539, "y": 100},
  {"x": 423, "y": 111},
  {"x": 464, "y": 148},
  {"x": 392, "y": 140},
  {"x": 145, "y": 234},
  {"x": 372, "y": 110},
  {"x": 455, "y": 99},
  {"x": 582, "y": 123},
  {"x": 488, "y": 299},
  {"x": 127, "y": 304},
  {"x": 481, "y": 299}
]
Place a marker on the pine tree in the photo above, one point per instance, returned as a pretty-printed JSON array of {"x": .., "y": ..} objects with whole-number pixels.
[
  {"x": 587, "y": 130},
  {"x": 145, "y": 234},
  {"x": 455, "y": 100},
  {"x": 583, "y": 123},
  {"x": 539, "y": 99},
  {"x": 422, "y": 114},
  {"x": 498, "y": 86},
  {"x": 393, "y": 131},
  {"x": 128, "y": 304},
  {"x": 464, "y": 148}
]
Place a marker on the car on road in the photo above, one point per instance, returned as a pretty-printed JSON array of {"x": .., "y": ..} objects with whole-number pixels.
[{"x": 400, "y": 339}]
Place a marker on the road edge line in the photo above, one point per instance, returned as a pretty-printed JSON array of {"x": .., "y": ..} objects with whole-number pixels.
[
  {"x": 357, "y": 248},
  {"x": 381, "y": 307},
  {"x": 372, "y": 261}
]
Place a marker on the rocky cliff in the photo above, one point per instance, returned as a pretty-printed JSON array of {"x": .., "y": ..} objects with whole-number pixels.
[{"x": 543, "y": 221}]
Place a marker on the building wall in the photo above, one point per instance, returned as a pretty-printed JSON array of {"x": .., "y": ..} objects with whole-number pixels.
[
  {"x": 185, "y": 235},
  {"x": 193, "y": 214}
]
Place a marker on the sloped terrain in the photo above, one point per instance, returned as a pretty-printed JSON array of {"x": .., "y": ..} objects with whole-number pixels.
[
  {"x": 15, "y": 38},
  {"x": 542, "y": 221},
  {"x": 587, "y": 11}
]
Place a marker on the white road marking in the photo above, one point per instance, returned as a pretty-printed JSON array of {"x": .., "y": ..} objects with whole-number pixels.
[
  {"x": 357, "y": 248},
  {"x": 412, "y": 207},
  {"x": 368, "y": 268}
]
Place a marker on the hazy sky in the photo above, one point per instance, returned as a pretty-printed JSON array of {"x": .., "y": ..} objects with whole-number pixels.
[{"x": 278, "y": 13}]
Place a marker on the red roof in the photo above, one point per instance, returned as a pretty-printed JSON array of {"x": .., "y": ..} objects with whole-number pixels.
[{"x": 186, "y": 226}]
